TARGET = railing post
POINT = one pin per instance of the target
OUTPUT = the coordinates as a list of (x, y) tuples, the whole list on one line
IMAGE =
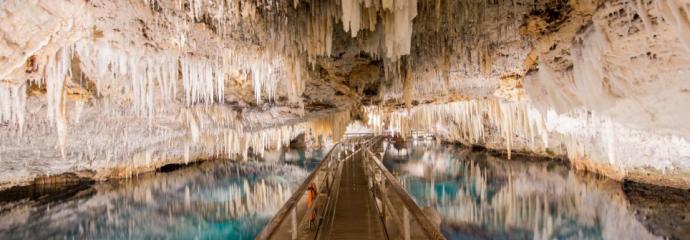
[(384, 196), (294, 223), (406, 223)]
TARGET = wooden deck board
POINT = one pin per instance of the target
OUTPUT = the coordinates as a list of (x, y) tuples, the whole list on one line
[(355, 215)]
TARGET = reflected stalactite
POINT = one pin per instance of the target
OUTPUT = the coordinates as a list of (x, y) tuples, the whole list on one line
[(242, 200), (209, 200), (515, 198)]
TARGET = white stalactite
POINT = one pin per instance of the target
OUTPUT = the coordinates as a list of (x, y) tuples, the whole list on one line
[(13, 105), (56, 74), (588, 138)]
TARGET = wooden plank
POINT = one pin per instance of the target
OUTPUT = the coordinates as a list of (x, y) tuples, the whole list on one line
[(297, 199), (356, 216)]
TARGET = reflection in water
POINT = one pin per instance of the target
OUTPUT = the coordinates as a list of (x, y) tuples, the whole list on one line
[(476, 194), (213, 199), (479, 195)]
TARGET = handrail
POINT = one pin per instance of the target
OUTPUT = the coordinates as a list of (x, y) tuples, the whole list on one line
[(291, 203), (294, 199), (428, 228), (330, 200)]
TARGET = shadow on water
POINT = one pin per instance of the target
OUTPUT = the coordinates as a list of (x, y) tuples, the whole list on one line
[(664, 211), (482, 195), (207, 200), (44, 193)]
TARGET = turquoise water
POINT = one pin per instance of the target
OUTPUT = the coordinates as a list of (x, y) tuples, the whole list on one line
[(211, 200), (479, 195)]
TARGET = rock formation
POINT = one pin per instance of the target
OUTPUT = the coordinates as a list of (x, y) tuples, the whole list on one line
[(111, 88)]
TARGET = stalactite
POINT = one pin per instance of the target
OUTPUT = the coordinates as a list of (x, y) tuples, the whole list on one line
[(588, 138), (56, 73), (202, 82), (152, 76), (296, 80), (333, 125), (407, 86), (13, 105), (234, 139), (352, 16), (139, 75), (398, 29)]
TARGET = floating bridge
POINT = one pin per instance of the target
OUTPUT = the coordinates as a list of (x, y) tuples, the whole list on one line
[(357, 198)]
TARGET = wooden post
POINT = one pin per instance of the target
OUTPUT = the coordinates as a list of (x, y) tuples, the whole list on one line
[(294, 223), (406, 223)]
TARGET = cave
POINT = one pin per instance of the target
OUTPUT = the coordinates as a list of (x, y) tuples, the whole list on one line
[(257, 119)]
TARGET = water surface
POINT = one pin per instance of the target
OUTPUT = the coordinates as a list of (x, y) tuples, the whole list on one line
[(480, 195), (210, 200)]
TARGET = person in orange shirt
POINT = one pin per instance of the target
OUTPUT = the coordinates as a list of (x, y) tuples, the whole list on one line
[(311, 196)]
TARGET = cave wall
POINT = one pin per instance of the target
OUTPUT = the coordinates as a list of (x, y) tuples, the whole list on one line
[(99, 86), (599, 83), (114, 88)]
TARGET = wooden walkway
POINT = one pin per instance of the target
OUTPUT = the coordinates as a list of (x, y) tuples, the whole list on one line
[(357, 199), (355, 215)]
